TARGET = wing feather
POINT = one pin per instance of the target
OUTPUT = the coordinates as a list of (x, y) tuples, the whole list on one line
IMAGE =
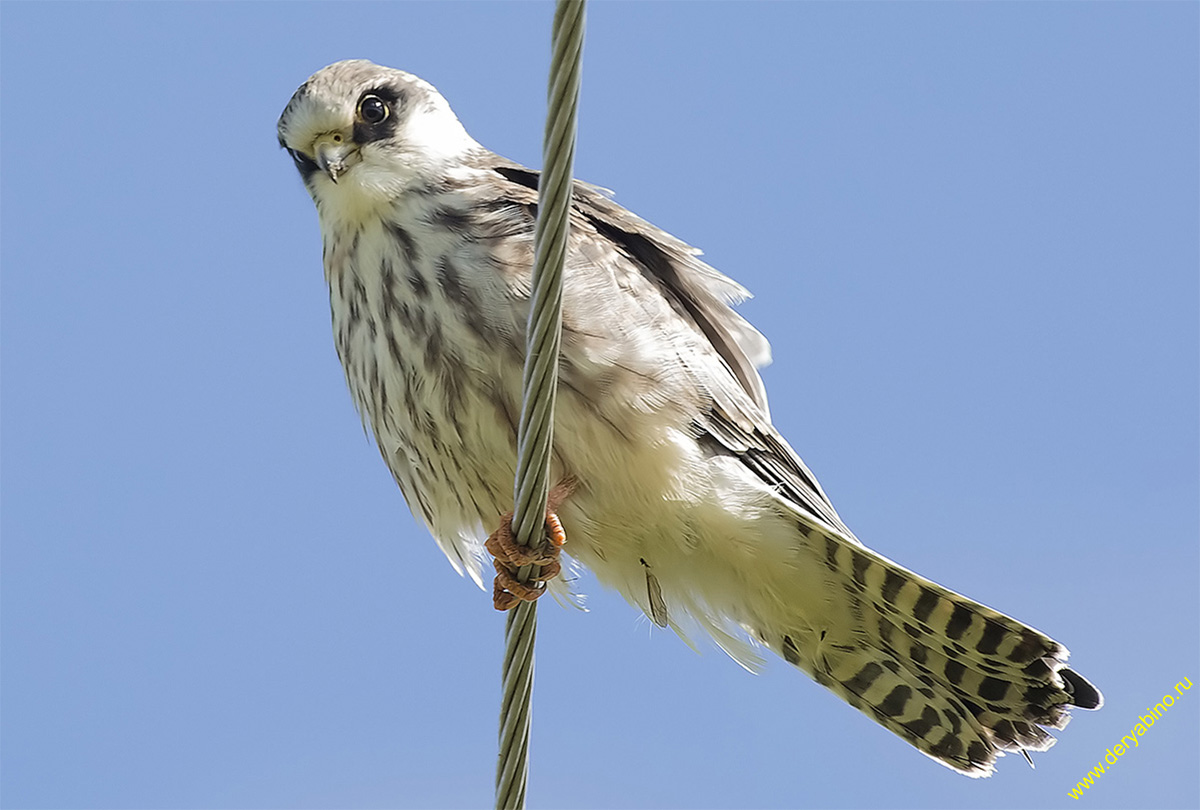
[(736, 421)]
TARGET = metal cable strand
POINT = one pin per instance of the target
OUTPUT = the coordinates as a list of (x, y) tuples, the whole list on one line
[(539, 383)]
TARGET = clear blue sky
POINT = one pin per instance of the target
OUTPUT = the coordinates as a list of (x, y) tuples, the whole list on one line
[(972, 229)]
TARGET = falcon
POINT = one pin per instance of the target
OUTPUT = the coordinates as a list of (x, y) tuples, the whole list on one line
[(673, 486)]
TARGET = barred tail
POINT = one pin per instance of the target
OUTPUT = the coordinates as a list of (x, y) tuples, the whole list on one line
[(958, 680)]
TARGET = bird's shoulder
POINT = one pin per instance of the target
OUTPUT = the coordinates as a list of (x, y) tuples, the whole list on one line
[(700, 293), (736, 421)]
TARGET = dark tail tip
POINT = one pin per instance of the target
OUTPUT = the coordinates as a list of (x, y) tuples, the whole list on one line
[(1082, 693)]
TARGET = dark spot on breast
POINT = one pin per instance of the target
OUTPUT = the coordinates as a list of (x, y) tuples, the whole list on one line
[(394, 349), (417, 283), (450, 218), (407, 246), (387, 289), (450, 280), (433, 350)]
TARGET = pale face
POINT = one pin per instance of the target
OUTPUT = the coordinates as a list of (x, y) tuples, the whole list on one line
[(361, 135)]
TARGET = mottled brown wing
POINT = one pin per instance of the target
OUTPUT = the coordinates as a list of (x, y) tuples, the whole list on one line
[(737, 422)]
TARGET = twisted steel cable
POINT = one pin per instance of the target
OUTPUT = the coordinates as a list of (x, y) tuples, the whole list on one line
[(539, 385)]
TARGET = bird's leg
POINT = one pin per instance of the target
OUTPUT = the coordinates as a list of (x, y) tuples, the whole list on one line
[(509, 555)]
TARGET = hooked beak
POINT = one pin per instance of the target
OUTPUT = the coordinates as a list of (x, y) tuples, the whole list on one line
[(333, 155)]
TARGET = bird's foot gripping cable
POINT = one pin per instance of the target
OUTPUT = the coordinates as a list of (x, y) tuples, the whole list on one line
[(510, 556)]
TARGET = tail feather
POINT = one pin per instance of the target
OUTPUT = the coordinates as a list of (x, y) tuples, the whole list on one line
[(958, 680), (908, 705)]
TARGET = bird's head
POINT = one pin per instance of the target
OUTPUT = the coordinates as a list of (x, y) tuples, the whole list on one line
[(366, 134)]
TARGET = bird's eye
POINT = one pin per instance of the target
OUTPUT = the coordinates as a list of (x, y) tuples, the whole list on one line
[(373, 110)]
